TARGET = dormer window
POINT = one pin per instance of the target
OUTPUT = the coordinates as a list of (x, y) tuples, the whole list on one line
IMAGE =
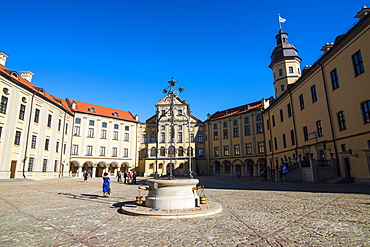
[(91, 109), (115, 114), (15, 74)]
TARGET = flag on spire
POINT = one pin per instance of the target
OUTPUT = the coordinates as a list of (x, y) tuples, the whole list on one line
[(282, 20)]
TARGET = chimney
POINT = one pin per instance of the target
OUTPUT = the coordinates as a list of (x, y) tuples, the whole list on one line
[(27, 75), (73, 105), (137, 117), (3, 57)]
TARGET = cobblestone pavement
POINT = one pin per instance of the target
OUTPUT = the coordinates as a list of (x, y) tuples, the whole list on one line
[(69, 212)]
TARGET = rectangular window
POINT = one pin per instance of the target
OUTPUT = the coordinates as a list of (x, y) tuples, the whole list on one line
[(33, 141), (226, 134), (305, 133), (246, 120), (152, 138), (91, 122), (292, 137), (237, 149), (78, 120), (47, 144), (313, 93), (365, 107), (59, 124), (144, 138), (179, 112), (215, 135), (17, 140), (281, 115), (77, 131), (225, 124), (235, 122), (179, 127), (259, 127), (4, 104), (66, 132), (102, 151), (248, 148), (289, 109), (22, 111), (341, 120), (115, 135), (216, 151), (192, 138), (247, 130), (56, 166), (125, 152), (1, 131), (280, 72), (50, 117), (30, 164), (64, 148), (284, 141), (44, 165), (200, 152), (270, 146), (259, 117), (226, 150), (282, 88), (319, 128), (103, 134), (275, 142), (268, 124), (103, 125), (116, 126), (163, 137), (90, 132), (57, 147), (89, 150), (126, 137), (200, 138), (334, 79), (290, 70), (261, 147), (127, 127), (358, 64), (75, 149), (215, 126), (37, 116), (179, 137), (301, 101), (114, 152), (236, 132), (273, 120)]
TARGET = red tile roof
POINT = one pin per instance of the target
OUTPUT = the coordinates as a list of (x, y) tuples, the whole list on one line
[(101, 111), (33, 88), (237, 110)]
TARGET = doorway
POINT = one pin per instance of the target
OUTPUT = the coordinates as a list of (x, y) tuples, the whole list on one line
[(347, 167), (13, 168)]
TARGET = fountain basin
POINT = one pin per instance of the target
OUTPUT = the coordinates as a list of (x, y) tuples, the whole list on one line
[(172, 194)]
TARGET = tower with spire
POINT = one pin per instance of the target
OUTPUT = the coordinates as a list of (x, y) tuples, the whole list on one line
[(285, 63)]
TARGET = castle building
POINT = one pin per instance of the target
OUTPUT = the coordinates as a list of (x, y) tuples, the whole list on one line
[(318, 124)]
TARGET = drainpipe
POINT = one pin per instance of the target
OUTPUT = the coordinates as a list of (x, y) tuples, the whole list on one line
[(330, 116), (28, 133)]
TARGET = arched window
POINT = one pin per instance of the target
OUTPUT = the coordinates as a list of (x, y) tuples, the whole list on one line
[(91, 109), (171, 151), (162, 151), (181, 151), (153, 151), (190, 151)]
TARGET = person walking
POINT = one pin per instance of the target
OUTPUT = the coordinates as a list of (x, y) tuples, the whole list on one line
[(125, 177), (134, 177), (119, 177), (85, 175), (106, 185), (129, 177)]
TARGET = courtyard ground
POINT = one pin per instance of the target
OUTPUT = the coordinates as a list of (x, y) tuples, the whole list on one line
[(69, 212)]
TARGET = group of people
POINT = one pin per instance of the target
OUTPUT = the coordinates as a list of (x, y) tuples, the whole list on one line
[(283, 170), (128, 177)]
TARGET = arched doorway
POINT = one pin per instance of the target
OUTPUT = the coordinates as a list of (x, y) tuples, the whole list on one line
[(249, 166), (73, 168), (262, 164), (100, 169), (216, 168), (88, 166), (227, 167), (238, 166)]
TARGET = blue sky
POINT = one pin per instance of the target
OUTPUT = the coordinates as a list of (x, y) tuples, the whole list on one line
[(121, 53)]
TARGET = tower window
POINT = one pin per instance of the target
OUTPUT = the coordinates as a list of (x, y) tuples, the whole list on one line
[(282, 88), (290, 69), (280, 72)]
